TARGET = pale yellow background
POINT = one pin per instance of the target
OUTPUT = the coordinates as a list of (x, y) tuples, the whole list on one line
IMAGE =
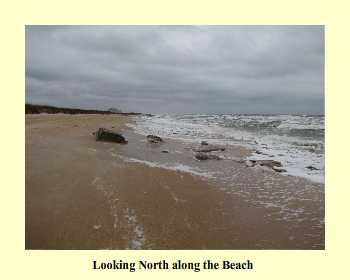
[(21, 264)]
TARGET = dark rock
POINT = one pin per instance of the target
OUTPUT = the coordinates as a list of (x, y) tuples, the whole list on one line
[(280, 170), (310, 167), (258, 152), (268, 163), (204, 156), (165, 151), (201, 156), (154, 139), (109, 136), (204, 143), (209, 149)]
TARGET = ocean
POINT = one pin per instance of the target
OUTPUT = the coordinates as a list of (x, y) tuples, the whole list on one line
[(297, 141)]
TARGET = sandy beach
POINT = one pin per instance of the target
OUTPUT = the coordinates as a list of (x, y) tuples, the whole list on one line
[(82, 194)]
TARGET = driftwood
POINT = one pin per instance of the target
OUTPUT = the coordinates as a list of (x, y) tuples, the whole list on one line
[(209, 149), (273, 164), (205, 156)]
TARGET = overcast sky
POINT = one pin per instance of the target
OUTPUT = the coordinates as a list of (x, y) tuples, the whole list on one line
[(177, 69)]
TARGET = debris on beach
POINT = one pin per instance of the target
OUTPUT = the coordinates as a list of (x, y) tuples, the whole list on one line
[(209, 149), (154, 139), (204, 143), (165, 151), (205, 156), (310, 167), (278, 169), (273, 164), (96, 227), (109, 136)]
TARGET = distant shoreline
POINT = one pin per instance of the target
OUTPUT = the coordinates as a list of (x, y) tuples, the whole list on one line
[(47, 109)]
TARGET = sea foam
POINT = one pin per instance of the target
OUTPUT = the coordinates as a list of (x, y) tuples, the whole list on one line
[(296, 141)]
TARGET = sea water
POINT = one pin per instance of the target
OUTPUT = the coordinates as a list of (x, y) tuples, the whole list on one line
[(297, 141)]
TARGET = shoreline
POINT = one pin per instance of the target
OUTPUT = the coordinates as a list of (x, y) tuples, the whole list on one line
[(80, 194), (300, 156)]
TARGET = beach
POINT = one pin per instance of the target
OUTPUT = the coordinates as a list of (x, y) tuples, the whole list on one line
[(85, 194)]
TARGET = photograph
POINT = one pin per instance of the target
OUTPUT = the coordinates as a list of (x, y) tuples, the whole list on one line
[(174, 137)]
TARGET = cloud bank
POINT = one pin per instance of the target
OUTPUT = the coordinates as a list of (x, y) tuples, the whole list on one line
[(177, 69)]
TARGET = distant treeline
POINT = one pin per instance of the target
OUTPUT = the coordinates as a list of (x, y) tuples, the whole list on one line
[(38, 109)]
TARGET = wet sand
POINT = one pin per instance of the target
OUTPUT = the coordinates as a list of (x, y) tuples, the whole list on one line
[(81, 195)]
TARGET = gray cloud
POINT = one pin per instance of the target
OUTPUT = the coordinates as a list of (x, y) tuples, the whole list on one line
[(159, 69)]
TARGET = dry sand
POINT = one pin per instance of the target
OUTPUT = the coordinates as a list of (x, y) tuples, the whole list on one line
[(81, 195)]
